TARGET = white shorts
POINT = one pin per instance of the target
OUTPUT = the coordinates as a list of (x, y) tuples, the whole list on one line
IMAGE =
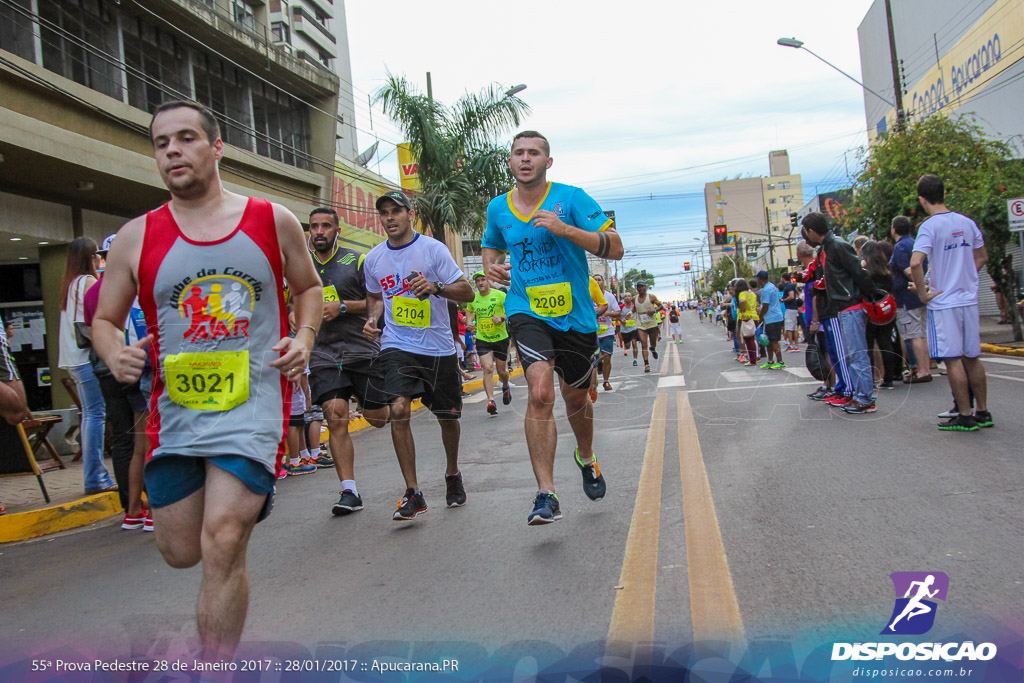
[(791, 323), (675, 328), (954, 332)]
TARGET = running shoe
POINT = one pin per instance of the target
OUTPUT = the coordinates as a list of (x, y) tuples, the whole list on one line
[(634, 362), (545, 509), (886, 385), (412, 504), (793, 349), (741, 359), (454, 491), (960, 423), (148, 524), (134, 521), (654, 352), (304, 467), (647, 367), (348, 503), (282, 473), (777, 366), (323, 460), (593, 480), (607, 386), (952, 412), (820, 395), (838, 401), (625, 353), (765, 366), (506, 394), (983, 418), (858, 408), (492, 409)]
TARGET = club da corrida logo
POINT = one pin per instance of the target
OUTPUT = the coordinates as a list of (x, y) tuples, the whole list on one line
[(913, 614)]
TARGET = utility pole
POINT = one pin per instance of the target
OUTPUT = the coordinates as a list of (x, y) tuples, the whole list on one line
[(896, 84), (430, 90)]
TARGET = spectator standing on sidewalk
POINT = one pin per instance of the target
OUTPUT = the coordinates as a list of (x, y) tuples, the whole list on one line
[(847, 285), (877, 266), (955, 248), (910, 312), (773, 317)]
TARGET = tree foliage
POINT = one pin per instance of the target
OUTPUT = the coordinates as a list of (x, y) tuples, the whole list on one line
[(631, 277), (722, 272), (979, 174), (461, 164)]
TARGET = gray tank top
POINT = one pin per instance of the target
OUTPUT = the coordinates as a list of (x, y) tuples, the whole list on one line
[(215, 309)]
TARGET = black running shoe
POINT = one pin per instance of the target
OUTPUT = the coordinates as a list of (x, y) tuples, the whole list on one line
[(983, 418), (654, 352), (820, 395), (545, 509), (323, 460), (455, 492), (412, 504), (506, 395), (960, 423), (347, 504), (492, 409), (593, 480), (647, 367)]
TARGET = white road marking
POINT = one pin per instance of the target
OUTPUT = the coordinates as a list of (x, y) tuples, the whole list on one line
[(1012, 379), (748, 388), (672, 381), (1004, 361)]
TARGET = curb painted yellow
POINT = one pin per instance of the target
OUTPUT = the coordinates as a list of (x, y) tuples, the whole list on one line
[(20, 526), (1002, 350)]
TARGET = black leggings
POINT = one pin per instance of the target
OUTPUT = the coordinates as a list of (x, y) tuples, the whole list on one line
[(883, 334)]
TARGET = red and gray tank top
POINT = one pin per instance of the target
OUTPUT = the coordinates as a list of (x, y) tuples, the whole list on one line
[(215, 309)]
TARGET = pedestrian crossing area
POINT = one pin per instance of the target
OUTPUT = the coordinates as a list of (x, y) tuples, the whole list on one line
[(758, 374)]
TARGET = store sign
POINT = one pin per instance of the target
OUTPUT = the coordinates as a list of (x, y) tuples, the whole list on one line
[(43, 377), (408, 168)]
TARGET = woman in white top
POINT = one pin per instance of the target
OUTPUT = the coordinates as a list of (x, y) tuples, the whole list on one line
[(79, 275)]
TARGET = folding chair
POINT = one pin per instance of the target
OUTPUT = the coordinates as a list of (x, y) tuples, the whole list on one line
[(16, 452)]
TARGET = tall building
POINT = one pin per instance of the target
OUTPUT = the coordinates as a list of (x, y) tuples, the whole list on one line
[(79, 78), (756, 213), (315, 31)]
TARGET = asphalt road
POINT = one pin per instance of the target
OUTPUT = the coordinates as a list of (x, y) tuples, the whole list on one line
[(762, 515)]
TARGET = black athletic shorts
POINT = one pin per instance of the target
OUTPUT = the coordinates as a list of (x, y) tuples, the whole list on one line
[(630, 336), (573, 352), (433, 379), (498, 348), (362, 377), (773, 331)]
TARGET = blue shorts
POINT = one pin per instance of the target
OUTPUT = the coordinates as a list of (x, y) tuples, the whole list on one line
[(606, 344), (171, 478)]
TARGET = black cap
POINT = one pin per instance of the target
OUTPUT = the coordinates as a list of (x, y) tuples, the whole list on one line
[(395, 196)]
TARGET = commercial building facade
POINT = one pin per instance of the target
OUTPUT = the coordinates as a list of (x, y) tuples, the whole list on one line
[(79, 78)]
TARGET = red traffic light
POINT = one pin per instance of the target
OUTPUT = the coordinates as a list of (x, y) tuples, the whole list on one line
[(686, 265), (721, 236)]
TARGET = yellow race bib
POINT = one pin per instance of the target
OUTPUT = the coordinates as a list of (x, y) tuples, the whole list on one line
[(410, 312), (331, 293), (550, 301), (212, 380), (602, 329), (629, 324), (485, 326)]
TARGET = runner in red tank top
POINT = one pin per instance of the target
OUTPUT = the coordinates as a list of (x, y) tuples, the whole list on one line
[(209, 281)]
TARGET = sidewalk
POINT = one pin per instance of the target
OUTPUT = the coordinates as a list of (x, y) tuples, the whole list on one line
[(996, 338), (29, 515)]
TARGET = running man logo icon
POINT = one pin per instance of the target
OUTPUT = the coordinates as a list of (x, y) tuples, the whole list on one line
[(914, 611)]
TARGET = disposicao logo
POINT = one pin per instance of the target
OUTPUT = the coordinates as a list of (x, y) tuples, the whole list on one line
[(916, 592), (914, 614)]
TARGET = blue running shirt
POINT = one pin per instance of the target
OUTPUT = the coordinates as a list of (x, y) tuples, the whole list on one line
[(550, 276)]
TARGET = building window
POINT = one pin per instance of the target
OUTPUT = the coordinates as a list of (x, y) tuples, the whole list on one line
[(720, 205), (771, 186), (282, 126), (17, 28), (784, 185), (70, 25), (224, 89), (244, 14), (282, 34), (771, 200), (157, 65)]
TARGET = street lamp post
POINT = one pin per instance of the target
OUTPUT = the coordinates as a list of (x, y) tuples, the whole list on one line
[(898, 104)]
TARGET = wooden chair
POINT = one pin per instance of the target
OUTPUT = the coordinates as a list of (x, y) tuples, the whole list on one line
[(37, 430), (17, 454)]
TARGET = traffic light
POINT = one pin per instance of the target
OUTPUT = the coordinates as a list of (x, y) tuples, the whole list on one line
[(794, 220), (686, 266), (721, 235)]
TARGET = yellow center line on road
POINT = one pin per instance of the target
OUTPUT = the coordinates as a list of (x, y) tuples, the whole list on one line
[(667, 362), (714, 609), (632, 622)]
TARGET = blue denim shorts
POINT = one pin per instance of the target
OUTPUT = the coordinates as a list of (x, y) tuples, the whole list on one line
[(170, 478)]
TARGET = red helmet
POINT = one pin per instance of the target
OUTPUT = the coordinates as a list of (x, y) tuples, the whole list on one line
[(882, 311)]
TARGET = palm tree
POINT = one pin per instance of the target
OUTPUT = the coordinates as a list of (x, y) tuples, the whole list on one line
[(461, 164)]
